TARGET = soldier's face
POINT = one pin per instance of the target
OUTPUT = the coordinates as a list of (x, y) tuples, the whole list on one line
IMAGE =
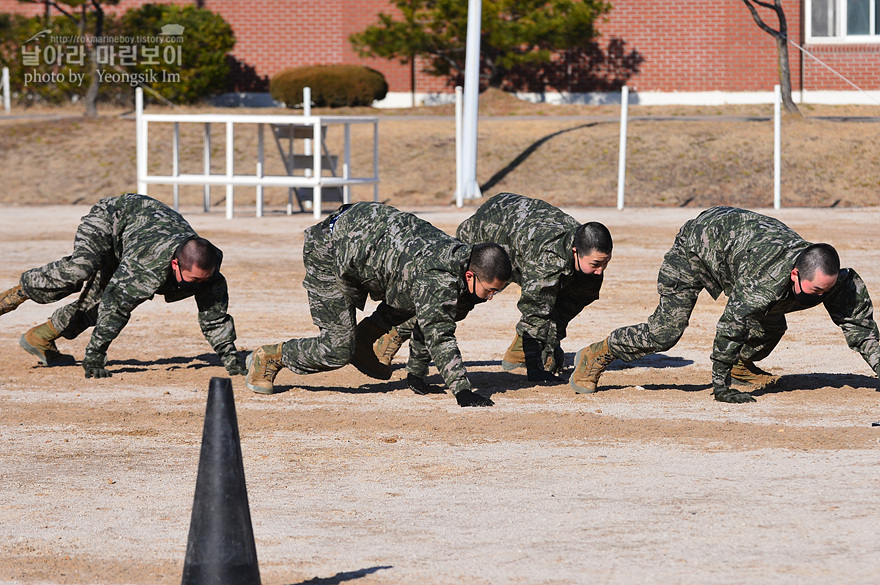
[(485, 291), (820, 283), (195, 275), (593, 263)]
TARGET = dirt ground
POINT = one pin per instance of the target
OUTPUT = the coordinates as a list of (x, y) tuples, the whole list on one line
[(356, 481)]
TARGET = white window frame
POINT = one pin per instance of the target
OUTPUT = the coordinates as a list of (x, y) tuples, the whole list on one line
[(840, 37)]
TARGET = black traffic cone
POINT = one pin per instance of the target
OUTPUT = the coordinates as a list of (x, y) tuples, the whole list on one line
[(221, 545)]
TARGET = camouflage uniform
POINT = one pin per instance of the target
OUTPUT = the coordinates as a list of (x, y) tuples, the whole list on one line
[(122, 257), (539, 239), (413, 268), (748, 257)]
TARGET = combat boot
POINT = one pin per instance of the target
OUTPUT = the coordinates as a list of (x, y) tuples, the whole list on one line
[(364, 358), (387, 346), (746, 371), (262, 367), (40, 341), (11, 299), (589, 363), (515, 356)]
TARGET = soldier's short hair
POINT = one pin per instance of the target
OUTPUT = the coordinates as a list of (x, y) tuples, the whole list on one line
[(592, 236), (821, 257), (490, 262), (197, 252)]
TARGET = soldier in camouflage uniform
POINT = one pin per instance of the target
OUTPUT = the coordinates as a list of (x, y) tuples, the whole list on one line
[(408, 265), (559, 266), (766, 270), (127, 249)]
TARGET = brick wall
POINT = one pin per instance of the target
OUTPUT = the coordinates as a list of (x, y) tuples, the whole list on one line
[(715, 46), (720, 47)]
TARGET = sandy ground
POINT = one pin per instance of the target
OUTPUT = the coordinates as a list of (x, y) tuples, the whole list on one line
[(352, 480)]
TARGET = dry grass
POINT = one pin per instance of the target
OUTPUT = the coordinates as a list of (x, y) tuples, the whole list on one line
[(564, 154)]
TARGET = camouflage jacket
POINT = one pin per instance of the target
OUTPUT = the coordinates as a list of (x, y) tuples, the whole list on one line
[(146, 234), (413, 267), (749, 257), (538, 238)]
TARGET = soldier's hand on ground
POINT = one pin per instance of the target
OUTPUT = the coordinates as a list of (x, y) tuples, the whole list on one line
[(468, 398), (733, 396), (418, 385), (553, 359), (94, 365), (543, 377), (96, 371), (234, 364)]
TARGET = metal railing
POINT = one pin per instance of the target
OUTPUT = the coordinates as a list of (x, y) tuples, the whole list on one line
[(312, 178)]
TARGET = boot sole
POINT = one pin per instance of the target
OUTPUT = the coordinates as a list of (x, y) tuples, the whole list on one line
[(62, 360), (755, 385), (258, 389), (510, 366)]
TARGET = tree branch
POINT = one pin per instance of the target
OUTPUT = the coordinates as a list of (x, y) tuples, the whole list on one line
[(757, 17)]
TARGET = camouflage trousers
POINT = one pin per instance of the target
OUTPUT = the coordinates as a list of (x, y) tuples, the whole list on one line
[(87, 271), (332, 310), (679, 286), (573, 298), (571, 301)]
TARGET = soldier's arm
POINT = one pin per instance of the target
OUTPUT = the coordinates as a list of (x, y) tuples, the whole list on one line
[(850, 307), (731, 333), (436, 302), (129, 287), (216, 323), (540, 289)]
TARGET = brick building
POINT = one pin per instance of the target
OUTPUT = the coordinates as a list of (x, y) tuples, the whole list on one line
[(658, 48)]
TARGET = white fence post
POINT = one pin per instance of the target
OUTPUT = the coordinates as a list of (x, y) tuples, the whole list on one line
[(140, 140), (206, 160), (621, 166), (230, 170), (5, 83), (777, 147), (260, 172)]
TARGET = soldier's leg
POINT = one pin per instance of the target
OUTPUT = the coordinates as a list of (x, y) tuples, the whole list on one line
[(92, 245), (331, 310), (764, 336), (74, 318), (387, 346), (679, 288), (335, 344)]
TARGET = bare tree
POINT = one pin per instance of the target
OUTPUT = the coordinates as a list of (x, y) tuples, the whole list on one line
[(69, 9), (781, 37)]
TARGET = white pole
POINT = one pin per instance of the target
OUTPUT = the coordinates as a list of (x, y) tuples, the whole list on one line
[(260, 157), (307, 101), (140, 140), (376, 160), (318, 171), (621, 167), (230, 170), (346, 166), (175, 165), (206, 156), (777, 147), (5, 83), (471, 98), (459, 188)]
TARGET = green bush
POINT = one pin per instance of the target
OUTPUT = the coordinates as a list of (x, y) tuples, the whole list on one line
[(33, 80), (207, 38), (200, 71), (331, 85)]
